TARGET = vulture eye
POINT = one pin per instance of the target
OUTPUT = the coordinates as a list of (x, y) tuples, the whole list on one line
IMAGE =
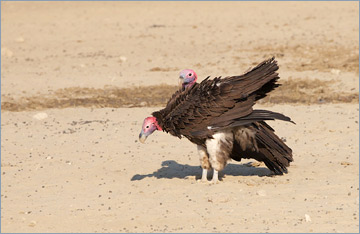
[(190, 74), (147, 126)]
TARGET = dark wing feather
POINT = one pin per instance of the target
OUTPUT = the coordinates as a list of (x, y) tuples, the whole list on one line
[(254, 116), (227, 99), (261, 79)]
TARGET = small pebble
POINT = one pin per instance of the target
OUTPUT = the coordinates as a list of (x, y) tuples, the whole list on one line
[(335, 71), (261, 193), (40, 116), (122, 59), (307, 218), (20, 39), (6, 52), (32, 223)]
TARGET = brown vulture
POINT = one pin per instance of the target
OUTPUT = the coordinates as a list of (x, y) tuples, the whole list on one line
[(218, 116)]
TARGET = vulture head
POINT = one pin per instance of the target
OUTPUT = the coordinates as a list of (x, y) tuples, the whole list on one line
[(149, 126), (187, 78)]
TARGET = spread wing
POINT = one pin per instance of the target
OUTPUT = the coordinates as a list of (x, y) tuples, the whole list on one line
[(219, 103)]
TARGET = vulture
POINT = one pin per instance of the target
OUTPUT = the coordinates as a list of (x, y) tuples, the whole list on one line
[(218, 116)]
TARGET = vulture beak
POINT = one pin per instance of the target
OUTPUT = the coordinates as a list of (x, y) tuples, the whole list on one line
[(142, 137), (181, 81)]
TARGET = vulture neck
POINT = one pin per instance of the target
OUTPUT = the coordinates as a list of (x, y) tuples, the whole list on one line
[(159, 120), (158, 126)]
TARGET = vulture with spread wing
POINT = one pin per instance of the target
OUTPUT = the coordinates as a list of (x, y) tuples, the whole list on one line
[(218, 116)]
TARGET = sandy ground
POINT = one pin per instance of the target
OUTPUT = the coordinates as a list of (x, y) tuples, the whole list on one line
[(83, 170)]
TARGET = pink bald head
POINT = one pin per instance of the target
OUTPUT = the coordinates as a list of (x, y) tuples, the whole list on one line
[(149, 126), (187, 78)]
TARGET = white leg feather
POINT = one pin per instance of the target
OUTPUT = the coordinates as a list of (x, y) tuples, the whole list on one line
[(204, 161), (219, 149)]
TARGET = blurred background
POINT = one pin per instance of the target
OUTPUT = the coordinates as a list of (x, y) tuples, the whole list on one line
[(60, 54)]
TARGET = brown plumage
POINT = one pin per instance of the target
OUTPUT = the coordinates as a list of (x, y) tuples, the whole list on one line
[(218, 116)]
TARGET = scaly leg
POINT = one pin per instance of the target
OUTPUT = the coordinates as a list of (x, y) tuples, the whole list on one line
[(215, 178), (204, 175)]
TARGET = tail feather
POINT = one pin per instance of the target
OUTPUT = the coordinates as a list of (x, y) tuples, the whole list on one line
[(267, 148)]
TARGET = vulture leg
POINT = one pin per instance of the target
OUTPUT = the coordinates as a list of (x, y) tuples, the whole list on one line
[(219, 149), (204, 162), (204, 175), (215, 178)]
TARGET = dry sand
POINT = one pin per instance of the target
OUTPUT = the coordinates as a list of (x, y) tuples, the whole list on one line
[(82, 169)]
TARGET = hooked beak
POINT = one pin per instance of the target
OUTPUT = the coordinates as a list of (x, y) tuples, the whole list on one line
[(181, 81), (142, 137)]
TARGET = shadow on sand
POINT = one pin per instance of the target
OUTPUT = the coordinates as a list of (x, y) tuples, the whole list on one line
[(171, 169)]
